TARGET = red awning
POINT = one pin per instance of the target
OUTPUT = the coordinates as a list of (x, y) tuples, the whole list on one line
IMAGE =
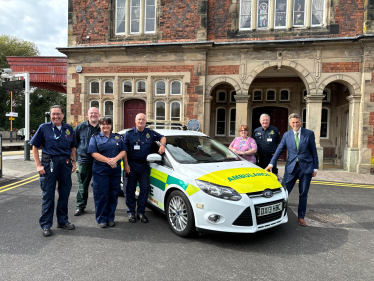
[(45, 72)]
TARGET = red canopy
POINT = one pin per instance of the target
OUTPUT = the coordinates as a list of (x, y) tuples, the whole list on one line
[(45, 72)]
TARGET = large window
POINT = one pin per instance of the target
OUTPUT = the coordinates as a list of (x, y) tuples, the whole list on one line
[(299, 13), (221, 122), (129, 13), (318, 7), (245, 14), (160, 87), (94, 88), (176, 88), (175, 111), (160, 110), (108, 87), (108, 109), (232, 121), (263, 13), (280, 17)]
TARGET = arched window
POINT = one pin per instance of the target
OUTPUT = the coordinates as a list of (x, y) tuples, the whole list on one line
[(176, 88), (284, 95), (257, 95), (221, 122), (94, 88), (270, 95), (160, 110), (175, 111), (108, 87), (221, 96), (232, 96), (140, 86), (232, 121), (263, 14), (127, 87), (160, 88), (108, 109), (94, 103)]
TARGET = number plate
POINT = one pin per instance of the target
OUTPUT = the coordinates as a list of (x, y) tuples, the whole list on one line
[(267, 210)]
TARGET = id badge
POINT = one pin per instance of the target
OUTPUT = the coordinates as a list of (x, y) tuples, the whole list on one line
[(270, 139), (136, 147)]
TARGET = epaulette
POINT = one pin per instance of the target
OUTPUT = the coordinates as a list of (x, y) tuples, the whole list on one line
[(95, 134)]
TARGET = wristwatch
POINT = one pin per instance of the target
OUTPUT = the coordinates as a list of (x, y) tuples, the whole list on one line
[(164, 144), (73, 160)]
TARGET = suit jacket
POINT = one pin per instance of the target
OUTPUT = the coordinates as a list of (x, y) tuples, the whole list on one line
[(306, 155)]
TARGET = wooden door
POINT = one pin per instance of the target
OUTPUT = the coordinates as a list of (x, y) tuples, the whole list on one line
[(131, 108)]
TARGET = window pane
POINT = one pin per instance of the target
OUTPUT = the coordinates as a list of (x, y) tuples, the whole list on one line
[(121, 16), (160, 88), (304, 118), (108, 87), (280, 13), (150, 2), (94, 87), (284, 95), (150, 12), (109, 109), (160, 111), (299, 12), (232, 121), (127, 87), (94, 103), (176, 88), (324, 130), (245, 13), (318, 6), (257, 95), (175, 111), (270, 95), (221, 118), (221, 96), (135, 16), (141, 87), (263, 10), (149, 25), (324, 116)]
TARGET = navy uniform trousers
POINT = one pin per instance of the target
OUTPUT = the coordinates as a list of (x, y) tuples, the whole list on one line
[(62, 174), (106, 184), (138, 172)]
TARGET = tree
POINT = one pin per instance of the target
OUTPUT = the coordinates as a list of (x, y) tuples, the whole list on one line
[(12, 46)]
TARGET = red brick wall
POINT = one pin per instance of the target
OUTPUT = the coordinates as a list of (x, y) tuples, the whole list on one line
[(340, 67), (224, 69), (76, 108), (219, 19), (350, 15)]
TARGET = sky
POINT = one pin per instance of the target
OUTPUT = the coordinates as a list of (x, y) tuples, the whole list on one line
[(44, 22)]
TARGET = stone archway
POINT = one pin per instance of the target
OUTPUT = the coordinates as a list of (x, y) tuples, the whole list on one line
[(349, 82), (220, 80)]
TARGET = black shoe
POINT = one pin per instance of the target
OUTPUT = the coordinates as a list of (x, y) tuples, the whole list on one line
[(111, 223), (78, 212), (47, 232), (142, 218), (68, 226), (103, 225), (132, 218)]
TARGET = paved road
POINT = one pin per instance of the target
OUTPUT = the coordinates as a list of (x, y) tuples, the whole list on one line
[(338, 244)]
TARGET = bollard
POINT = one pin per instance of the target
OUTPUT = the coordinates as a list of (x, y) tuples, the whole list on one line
[(1, 155), (11, 136)]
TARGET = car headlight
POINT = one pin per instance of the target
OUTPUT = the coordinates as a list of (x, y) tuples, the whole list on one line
[(222, 192)]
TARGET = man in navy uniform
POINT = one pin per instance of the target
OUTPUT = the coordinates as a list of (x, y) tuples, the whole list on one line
[(267, 139), (83, 133), (57, 164), (138, 141)]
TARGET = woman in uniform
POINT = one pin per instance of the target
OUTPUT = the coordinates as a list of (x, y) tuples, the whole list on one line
[(107, 149), (244, 145)]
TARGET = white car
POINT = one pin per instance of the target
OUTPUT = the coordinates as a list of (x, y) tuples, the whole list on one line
[(200, 185)]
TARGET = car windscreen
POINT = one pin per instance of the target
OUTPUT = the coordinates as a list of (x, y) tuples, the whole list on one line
[(198, 149)]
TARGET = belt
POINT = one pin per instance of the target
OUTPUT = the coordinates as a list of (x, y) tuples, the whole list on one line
[(267, 155), (48, 157), (138, 161)]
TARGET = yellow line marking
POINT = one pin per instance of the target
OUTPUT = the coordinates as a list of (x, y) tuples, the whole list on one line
[(17, 182), (18, 185), (343, 184)]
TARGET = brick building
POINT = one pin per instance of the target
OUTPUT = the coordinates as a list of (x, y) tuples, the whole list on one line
[(225, 62)]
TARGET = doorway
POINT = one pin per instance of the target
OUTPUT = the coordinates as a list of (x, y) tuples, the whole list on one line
[(131, 108)]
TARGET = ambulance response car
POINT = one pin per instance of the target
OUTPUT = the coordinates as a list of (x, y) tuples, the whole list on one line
[(201, 185)]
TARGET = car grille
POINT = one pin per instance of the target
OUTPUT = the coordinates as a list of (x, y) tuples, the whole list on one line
[(245, 219), (260, 193), (270, 217)]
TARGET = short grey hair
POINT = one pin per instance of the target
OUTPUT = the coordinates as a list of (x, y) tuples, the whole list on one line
[(56, 106), (264, 115), (294, 115), (145, 116)]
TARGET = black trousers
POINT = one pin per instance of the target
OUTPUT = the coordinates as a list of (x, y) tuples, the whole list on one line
[(263, 161)]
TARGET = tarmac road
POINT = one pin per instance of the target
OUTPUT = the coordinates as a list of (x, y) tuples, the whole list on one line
[(338, 243)]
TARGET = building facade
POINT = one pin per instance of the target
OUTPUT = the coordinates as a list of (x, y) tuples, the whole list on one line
[(225, 62)]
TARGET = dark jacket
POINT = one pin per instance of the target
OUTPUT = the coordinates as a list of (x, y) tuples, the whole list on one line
[(83, 133)]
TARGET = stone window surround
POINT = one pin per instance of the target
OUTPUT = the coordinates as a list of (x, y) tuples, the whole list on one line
[(253, 96), (128, 19), (289, 94), (289, 15), (217, 96), (275, 94)]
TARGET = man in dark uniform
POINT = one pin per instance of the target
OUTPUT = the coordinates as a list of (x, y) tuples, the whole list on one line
[(267, 139), (138, 141), (57, 164), (83, 133)]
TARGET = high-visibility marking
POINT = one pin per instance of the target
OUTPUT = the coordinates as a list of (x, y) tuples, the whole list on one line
[(343, 184), (18, 183)]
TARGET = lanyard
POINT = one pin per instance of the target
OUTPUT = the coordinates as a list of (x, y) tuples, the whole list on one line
[(137, 135), (54, 135), (241, 143)]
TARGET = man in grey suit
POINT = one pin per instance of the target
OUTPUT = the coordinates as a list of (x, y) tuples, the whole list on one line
[(302, 161)]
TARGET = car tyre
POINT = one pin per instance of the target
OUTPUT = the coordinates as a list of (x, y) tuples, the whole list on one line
[(180, 215)]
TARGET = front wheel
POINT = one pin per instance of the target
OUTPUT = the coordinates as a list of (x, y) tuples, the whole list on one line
[(180, 215)]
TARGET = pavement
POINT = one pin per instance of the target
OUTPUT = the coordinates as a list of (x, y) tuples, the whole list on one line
[(15, 167)]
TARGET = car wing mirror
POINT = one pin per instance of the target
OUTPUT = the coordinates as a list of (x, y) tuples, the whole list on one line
[(154, 157)]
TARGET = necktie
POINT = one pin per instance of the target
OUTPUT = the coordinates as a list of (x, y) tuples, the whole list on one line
[(297, 140)]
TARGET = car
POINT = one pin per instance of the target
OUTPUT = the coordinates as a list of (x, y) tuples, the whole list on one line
[(202, 186)]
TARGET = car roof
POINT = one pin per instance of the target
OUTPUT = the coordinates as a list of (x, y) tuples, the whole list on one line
[(169, 133)]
